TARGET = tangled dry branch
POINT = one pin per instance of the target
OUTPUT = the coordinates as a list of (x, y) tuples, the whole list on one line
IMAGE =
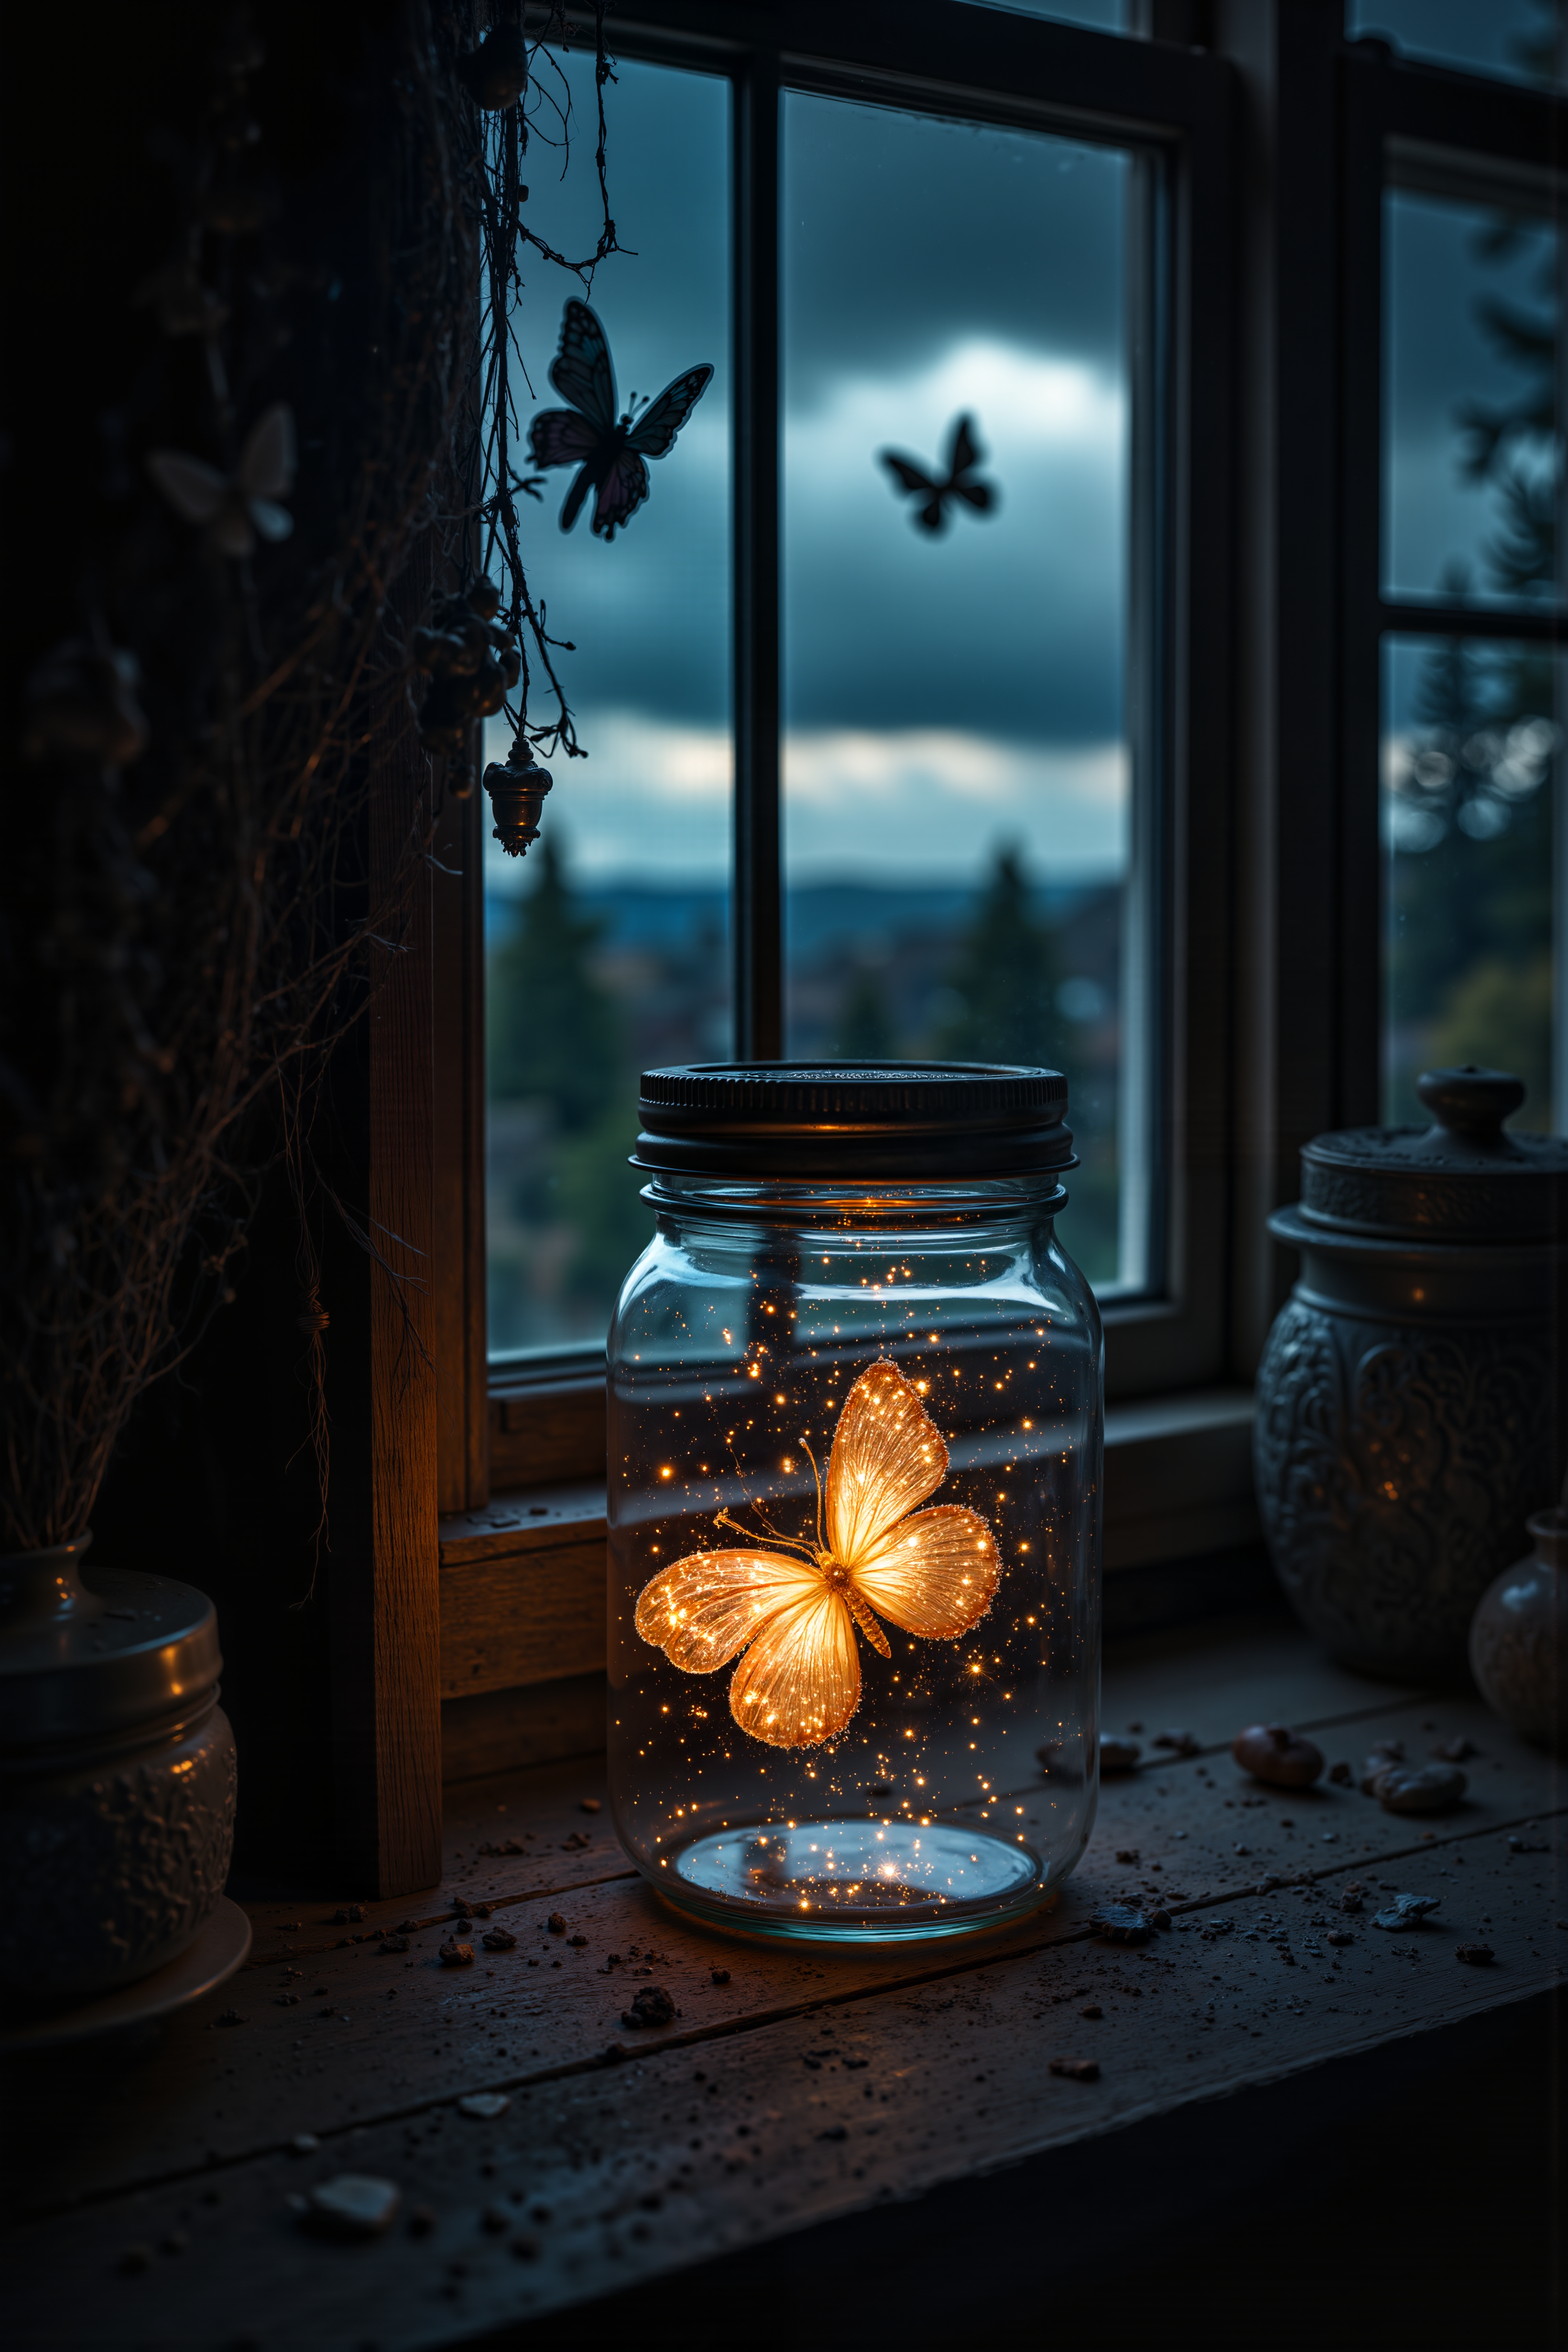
[(311, 436)]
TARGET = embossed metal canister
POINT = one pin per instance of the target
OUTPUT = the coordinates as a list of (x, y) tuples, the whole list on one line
[(117, 1774), (1412, 1401)]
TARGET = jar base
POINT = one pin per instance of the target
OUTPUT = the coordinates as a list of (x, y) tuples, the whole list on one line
[(854, 1882)]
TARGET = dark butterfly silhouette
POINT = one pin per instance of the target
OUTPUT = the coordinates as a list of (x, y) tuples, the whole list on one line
[(610, 450), (963, 454)]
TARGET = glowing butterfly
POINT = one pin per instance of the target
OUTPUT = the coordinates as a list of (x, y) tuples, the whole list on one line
[(934, 1574), (610, 453), (235, 508), (933, 499)]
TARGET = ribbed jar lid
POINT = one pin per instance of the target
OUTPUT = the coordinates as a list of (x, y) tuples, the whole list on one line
[(899, 1123), (80, 1663), (1463, 1178)]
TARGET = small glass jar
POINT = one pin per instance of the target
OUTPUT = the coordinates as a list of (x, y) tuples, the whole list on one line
[(855, 1435)]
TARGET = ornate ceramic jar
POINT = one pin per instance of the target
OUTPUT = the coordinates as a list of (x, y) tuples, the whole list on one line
[(117, 1774), (1411, 1401), (855, 1430), (1519, 1640)]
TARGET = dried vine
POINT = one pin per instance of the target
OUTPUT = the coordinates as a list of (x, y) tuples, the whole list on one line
[(190, 909)]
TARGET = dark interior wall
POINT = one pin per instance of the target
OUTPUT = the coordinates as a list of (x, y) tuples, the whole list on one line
[(214, 1480)]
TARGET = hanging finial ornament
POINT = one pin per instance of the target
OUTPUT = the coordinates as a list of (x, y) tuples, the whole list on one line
[(495, 74), (517, 789)]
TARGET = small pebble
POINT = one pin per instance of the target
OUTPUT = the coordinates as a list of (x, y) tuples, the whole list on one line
[(1093, 2010), (1341, 1776), (1405, 1788), (1273, 1753), (577, 1941), (556, 1924), (304, 2144), (1405, 1911), (456, 1955), (590, 1805), (1183, 1742), (1159, 1919), (1455, 1752), (720, 1976), (229, 2017), (484, 2104), (1479, 1956), (1127, 1854), (354, 2205), (1077, 2070), (526, 2247), (651, 2006), (499, 1939), (834, 2131), (1121, 1922), (394, 1943), (1119, 1754), (1339, 1935)]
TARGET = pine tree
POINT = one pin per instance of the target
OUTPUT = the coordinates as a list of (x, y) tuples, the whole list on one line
[(1006, 978), (555, 1035)]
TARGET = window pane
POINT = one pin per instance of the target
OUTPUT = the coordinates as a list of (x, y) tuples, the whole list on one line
[(1474, 829), (958, 805), (607, 944), (1473, 453), (1520, 39)]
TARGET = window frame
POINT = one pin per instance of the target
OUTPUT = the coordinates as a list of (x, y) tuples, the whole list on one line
[(1176, 106), (1430, 128)]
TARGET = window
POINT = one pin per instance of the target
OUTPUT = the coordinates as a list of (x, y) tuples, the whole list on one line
[(902, 790), (1469, 600)]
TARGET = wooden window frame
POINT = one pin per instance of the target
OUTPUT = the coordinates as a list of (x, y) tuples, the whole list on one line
[(1268, 928)]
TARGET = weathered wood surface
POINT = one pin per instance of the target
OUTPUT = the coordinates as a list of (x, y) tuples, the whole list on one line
[(956, 2043), (535, 1617)]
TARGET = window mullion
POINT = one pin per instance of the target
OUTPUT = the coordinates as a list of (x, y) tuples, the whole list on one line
[(755, 914)]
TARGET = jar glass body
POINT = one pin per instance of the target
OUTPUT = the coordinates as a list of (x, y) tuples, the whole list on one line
[(734, 1354)]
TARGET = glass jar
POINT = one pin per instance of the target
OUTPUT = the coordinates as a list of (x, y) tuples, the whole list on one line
[(855, 1435)]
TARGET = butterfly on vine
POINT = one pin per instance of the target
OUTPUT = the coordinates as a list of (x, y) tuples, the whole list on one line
[(610, 450), (933, 1574), (964, 453)]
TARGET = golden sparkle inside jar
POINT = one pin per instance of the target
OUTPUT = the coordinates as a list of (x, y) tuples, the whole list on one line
[(855, 1458)]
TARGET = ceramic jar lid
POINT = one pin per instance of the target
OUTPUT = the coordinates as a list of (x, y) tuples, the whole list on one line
[(1463, 1178), (76, 1664)]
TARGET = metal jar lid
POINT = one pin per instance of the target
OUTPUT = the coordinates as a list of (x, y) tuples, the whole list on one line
[(899, 1123), (81, 1664), (1461, 1180)]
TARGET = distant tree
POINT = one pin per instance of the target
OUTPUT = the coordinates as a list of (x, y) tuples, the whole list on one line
[(1005, 977), (555, 1034), (866, 1032)]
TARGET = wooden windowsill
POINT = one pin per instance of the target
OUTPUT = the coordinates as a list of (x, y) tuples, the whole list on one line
[(522, 1581), (952, 2046)]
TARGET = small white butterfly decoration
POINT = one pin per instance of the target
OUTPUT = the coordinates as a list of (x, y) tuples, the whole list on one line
[(233, 511)]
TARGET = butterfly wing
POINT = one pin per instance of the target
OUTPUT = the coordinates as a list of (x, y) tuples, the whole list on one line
[(799, 1683), (888, 1457), (978, 494), (558, 436), (622, 489), (194, 489), (581, 370), (659, 423), (911, 476), (935, 1574), (966, 450), (266, 465), (699, 1611)]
